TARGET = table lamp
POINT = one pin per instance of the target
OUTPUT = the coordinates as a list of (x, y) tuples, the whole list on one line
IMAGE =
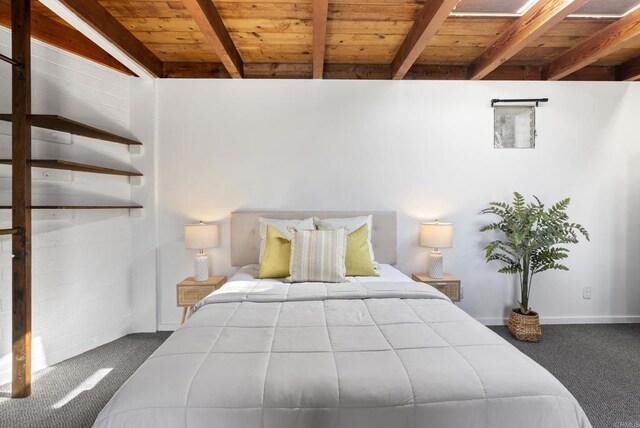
[(436, 235), (199, 237)]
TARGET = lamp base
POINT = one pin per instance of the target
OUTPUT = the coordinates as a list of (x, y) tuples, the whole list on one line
[(435, 265), (201, 267)]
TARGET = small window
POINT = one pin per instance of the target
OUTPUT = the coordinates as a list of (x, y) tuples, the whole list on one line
[(514, 127)]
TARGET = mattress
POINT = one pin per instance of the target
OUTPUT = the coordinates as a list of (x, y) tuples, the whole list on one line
[(385, 273), (365, 353)]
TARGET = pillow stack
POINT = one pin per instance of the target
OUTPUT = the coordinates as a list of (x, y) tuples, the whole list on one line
[(339, 247)]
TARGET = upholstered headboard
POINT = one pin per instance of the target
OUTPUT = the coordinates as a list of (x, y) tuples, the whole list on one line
[(245, 232)]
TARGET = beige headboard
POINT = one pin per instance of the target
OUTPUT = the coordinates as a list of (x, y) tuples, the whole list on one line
[(245, 232)]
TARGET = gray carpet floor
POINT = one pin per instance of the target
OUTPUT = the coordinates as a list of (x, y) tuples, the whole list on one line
[(599, 364), (62, 395)]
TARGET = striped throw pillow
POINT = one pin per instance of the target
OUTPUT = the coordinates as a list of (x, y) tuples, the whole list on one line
[(318, 255)]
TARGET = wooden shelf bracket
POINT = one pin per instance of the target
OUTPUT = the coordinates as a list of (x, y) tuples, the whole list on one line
[(9, 60), (13, 231)]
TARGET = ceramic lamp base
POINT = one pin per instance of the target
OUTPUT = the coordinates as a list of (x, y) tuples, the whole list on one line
[(201, 267), (434, 264)]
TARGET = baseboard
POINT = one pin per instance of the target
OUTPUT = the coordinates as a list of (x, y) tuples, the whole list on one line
[(604, 319)]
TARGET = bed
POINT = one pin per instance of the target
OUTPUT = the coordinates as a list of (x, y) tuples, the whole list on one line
[(371, 352)]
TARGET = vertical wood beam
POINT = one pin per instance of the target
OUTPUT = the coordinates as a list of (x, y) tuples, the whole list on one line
[(430, 19), (604, 42), (540, 18), (320, 13), (21, 198), (206, 15)]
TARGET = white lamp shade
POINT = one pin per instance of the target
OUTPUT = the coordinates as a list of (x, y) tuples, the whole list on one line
[(200, 236), (436, 235)]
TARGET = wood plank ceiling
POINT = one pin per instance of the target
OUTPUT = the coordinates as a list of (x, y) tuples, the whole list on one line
[(370, 39)]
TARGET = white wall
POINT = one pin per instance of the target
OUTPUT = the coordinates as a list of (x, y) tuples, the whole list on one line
[(144, 224), (82, 289), (422, 148)]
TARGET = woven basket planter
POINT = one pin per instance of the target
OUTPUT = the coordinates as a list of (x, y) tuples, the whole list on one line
[(525, 327)]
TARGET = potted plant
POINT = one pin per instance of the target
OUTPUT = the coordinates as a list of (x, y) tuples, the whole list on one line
[(532, 243)]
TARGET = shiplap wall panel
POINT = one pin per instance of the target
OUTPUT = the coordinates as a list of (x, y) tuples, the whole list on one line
[(81, 259)]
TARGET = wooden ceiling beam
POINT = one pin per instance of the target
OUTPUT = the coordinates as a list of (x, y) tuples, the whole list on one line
[(101, 21), (66, 38), (430, 19), (206, 15), (320, 13), (604, 42), (594, 73), (630, 70), (540, 18), (196, 70)]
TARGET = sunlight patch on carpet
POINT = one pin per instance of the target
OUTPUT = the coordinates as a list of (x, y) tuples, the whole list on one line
[(86, 385)]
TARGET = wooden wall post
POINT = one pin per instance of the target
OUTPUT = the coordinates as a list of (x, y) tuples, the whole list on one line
[(21, 197)]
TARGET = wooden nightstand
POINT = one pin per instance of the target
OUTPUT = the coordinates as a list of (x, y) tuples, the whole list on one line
[(449, 285), (191, 292)]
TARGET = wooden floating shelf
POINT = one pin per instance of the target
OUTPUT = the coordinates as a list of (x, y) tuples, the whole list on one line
[(77, 207), (62, 124), (74, 166)]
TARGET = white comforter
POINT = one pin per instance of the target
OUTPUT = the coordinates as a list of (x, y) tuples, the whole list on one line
[(274, 355)]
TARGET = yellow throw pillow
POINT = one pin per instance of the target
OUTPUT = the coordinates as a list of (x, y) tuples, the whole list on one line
[(358, 258), (277, 253)]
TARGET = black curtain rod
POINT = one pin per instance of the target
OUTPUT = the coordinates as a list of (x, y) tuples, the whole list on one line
[(519, 100)]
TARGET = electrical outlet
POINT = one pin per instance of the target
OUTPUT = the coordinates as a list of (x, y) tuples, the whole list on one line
[(586, 293)]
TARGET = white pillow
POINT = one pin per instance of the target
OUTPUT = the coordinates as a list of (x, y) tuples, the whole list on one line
[(351, 224), (283, 227)]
